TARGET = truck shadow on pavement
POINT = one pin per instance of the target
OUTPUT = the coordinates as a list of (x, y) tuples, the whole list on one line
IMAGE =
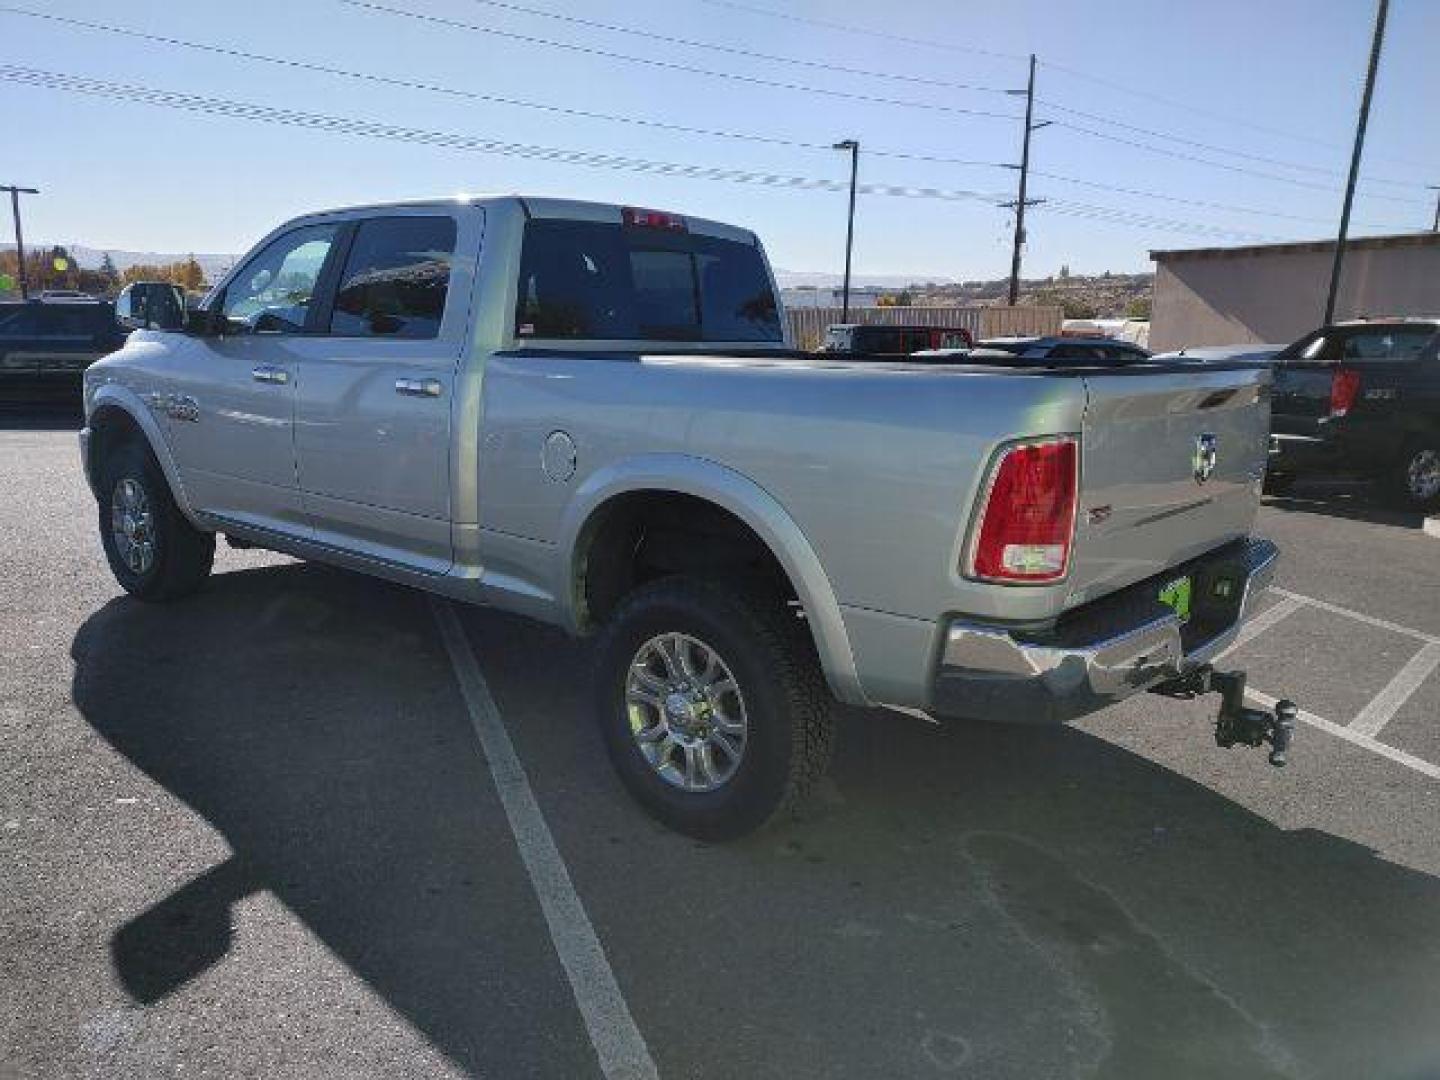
[(958, 900), (1354, 500)]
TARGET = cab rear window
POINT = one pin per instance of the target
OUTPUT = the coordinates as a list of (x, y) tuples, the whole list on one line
[(590, 280)]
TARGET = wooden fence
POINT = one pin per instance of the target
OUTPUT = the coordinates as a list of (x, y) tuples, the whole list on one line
[(808, 325)]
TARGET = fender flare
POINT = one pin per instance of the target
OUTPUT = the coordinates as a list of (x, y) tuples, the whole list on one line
[(732, 491), (112, 396)]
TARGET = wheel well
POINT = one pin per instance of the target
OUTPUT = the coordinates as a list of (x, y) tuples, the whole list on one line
[(643, 535), (110, 427)]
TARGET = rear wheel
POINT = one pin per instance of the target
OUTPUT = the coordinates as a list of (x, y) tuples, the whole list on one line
[(153, 551), (1414, 479), (712, 705)]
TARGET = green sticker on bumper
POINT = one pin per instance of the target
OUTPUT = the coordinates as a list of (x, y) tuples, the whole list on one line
[(1176, 596)]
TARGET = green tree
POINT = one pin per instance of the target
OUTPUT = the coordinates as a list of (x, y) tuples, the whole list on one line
[(108, 272), (1138, 308)]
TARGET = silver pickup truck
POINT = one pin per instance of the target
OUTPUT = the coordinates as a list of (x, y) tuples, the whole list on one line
[(589, 414)]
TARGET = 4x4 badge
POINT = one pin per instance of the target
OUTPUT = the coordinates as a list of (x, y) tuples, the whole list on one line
[(1207, 453)]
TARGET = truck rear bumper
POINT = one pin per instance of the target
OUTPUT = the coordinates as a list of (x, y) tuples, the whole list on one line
[(1104, 652)]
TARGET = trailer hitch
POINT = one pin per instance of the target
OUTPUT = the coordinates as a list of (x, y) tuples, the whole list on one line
[(1236, 722)]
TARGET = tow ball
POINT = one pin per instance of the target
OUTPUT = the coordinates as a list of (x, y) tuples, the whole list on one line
[(1237, 723)]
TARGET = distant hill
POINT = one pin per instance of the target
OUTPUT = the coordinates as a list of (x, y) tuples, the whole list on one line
[(90, 258)]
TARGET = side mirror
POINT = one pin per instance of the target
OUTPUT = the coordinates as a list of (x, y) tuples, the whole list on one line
[(151, 305)]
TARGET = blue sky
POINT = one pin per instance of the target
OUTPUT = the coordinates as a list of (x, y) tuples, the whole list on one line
[(1274, 79)]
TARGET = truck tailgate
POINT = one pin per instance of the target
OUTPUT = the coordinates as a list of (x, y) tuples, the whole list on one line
[(1171, 466)]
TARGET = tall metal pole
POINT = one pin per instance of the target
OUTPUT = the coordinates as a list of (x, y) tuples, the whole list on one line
[(1381, 12), (1024, 178), (854, 148), (15, 193)]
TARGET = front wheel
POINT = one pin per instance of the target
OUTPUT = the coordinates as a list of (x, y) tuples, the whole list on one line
[(1414, 479), (712, 706), (153, 551)]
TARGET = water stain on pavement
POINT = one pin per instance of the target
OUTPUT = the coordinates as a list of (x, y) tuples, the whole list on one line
[(1155, 1016)]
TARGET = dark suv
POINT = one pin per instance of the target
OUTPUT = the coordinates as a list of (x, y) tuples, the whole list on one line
[(1361, 398), (882, 340), (47, 343), (1100, 351)]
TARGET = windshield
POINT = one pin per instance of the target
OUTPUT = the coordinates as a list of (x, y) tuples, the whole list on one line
[(614, 283)]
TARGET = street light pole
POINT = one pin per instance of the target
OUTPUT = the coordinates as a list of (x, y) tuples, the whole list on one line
[(854, 148), (15, 193), (1380, 14)]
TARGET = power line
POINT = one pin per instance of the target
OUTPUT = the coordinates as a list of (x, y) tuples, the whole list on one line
[(1182, 156), (734, 50), (850, 28), (480, 144), (1202, 203), (668, 65), (590, 114), (864, 32), (1176, 103), (472, 95), (642, 122), (1055, 107)]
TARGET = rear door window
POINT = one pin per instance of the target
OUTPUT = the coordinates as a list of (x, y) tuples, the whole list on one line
[(582, 280), (396, 278), (1385, 345)]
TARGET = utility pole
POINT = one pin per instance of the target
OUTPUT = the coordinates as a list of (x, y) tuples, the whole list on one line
[(854, 148), (15, 193), (1380, 13), (1436, 188), (1021, 202)]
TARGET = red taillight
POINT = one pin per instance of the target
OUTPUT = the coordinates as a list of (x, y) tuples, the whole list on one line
[(653, 219), (1028, 523), (1344, 388)]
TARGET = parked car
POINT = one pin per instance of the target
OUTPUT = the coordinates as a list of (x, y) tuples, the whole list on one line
[(1361, 398), (1089, 350), (588, 414), (884, 340), (49, 343), (1225, 354)]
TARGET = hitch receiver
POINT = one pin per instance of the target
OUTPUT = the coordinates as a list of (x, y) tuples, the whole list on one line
[(1237, 723)]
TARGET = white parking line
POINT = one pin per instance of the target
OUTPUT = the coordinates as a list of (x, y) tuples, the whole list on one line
[(617, 1040), (1384, 705), (1360, 616), (1257, 625), (1410, 761)]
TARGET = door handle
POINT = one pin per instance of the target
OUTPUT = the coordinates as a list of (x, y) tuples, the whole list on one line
[(418, 387), (267, 374)]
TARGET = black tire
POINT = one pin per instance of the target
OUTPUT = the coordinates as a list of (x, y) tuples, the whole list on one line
[(787, 705), (1278, 483), (181, 555), (1400, 482)]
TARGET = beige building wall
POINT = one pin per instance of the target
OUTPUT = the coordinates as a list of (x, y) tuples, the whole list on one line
[(1277, 294)]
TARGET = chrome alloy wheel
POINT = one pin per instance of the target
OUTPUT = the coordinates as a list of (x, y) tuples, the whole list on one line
[(132, 525), (1422, 476), (686, 712)]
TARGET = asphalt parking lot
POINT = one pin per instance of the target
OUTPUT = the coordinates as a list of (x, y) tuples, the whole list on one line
[(256, 833)]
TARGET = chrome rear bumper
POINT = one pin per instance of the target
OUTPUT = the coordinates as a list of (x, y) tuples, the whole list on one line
[(1106, 655)]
